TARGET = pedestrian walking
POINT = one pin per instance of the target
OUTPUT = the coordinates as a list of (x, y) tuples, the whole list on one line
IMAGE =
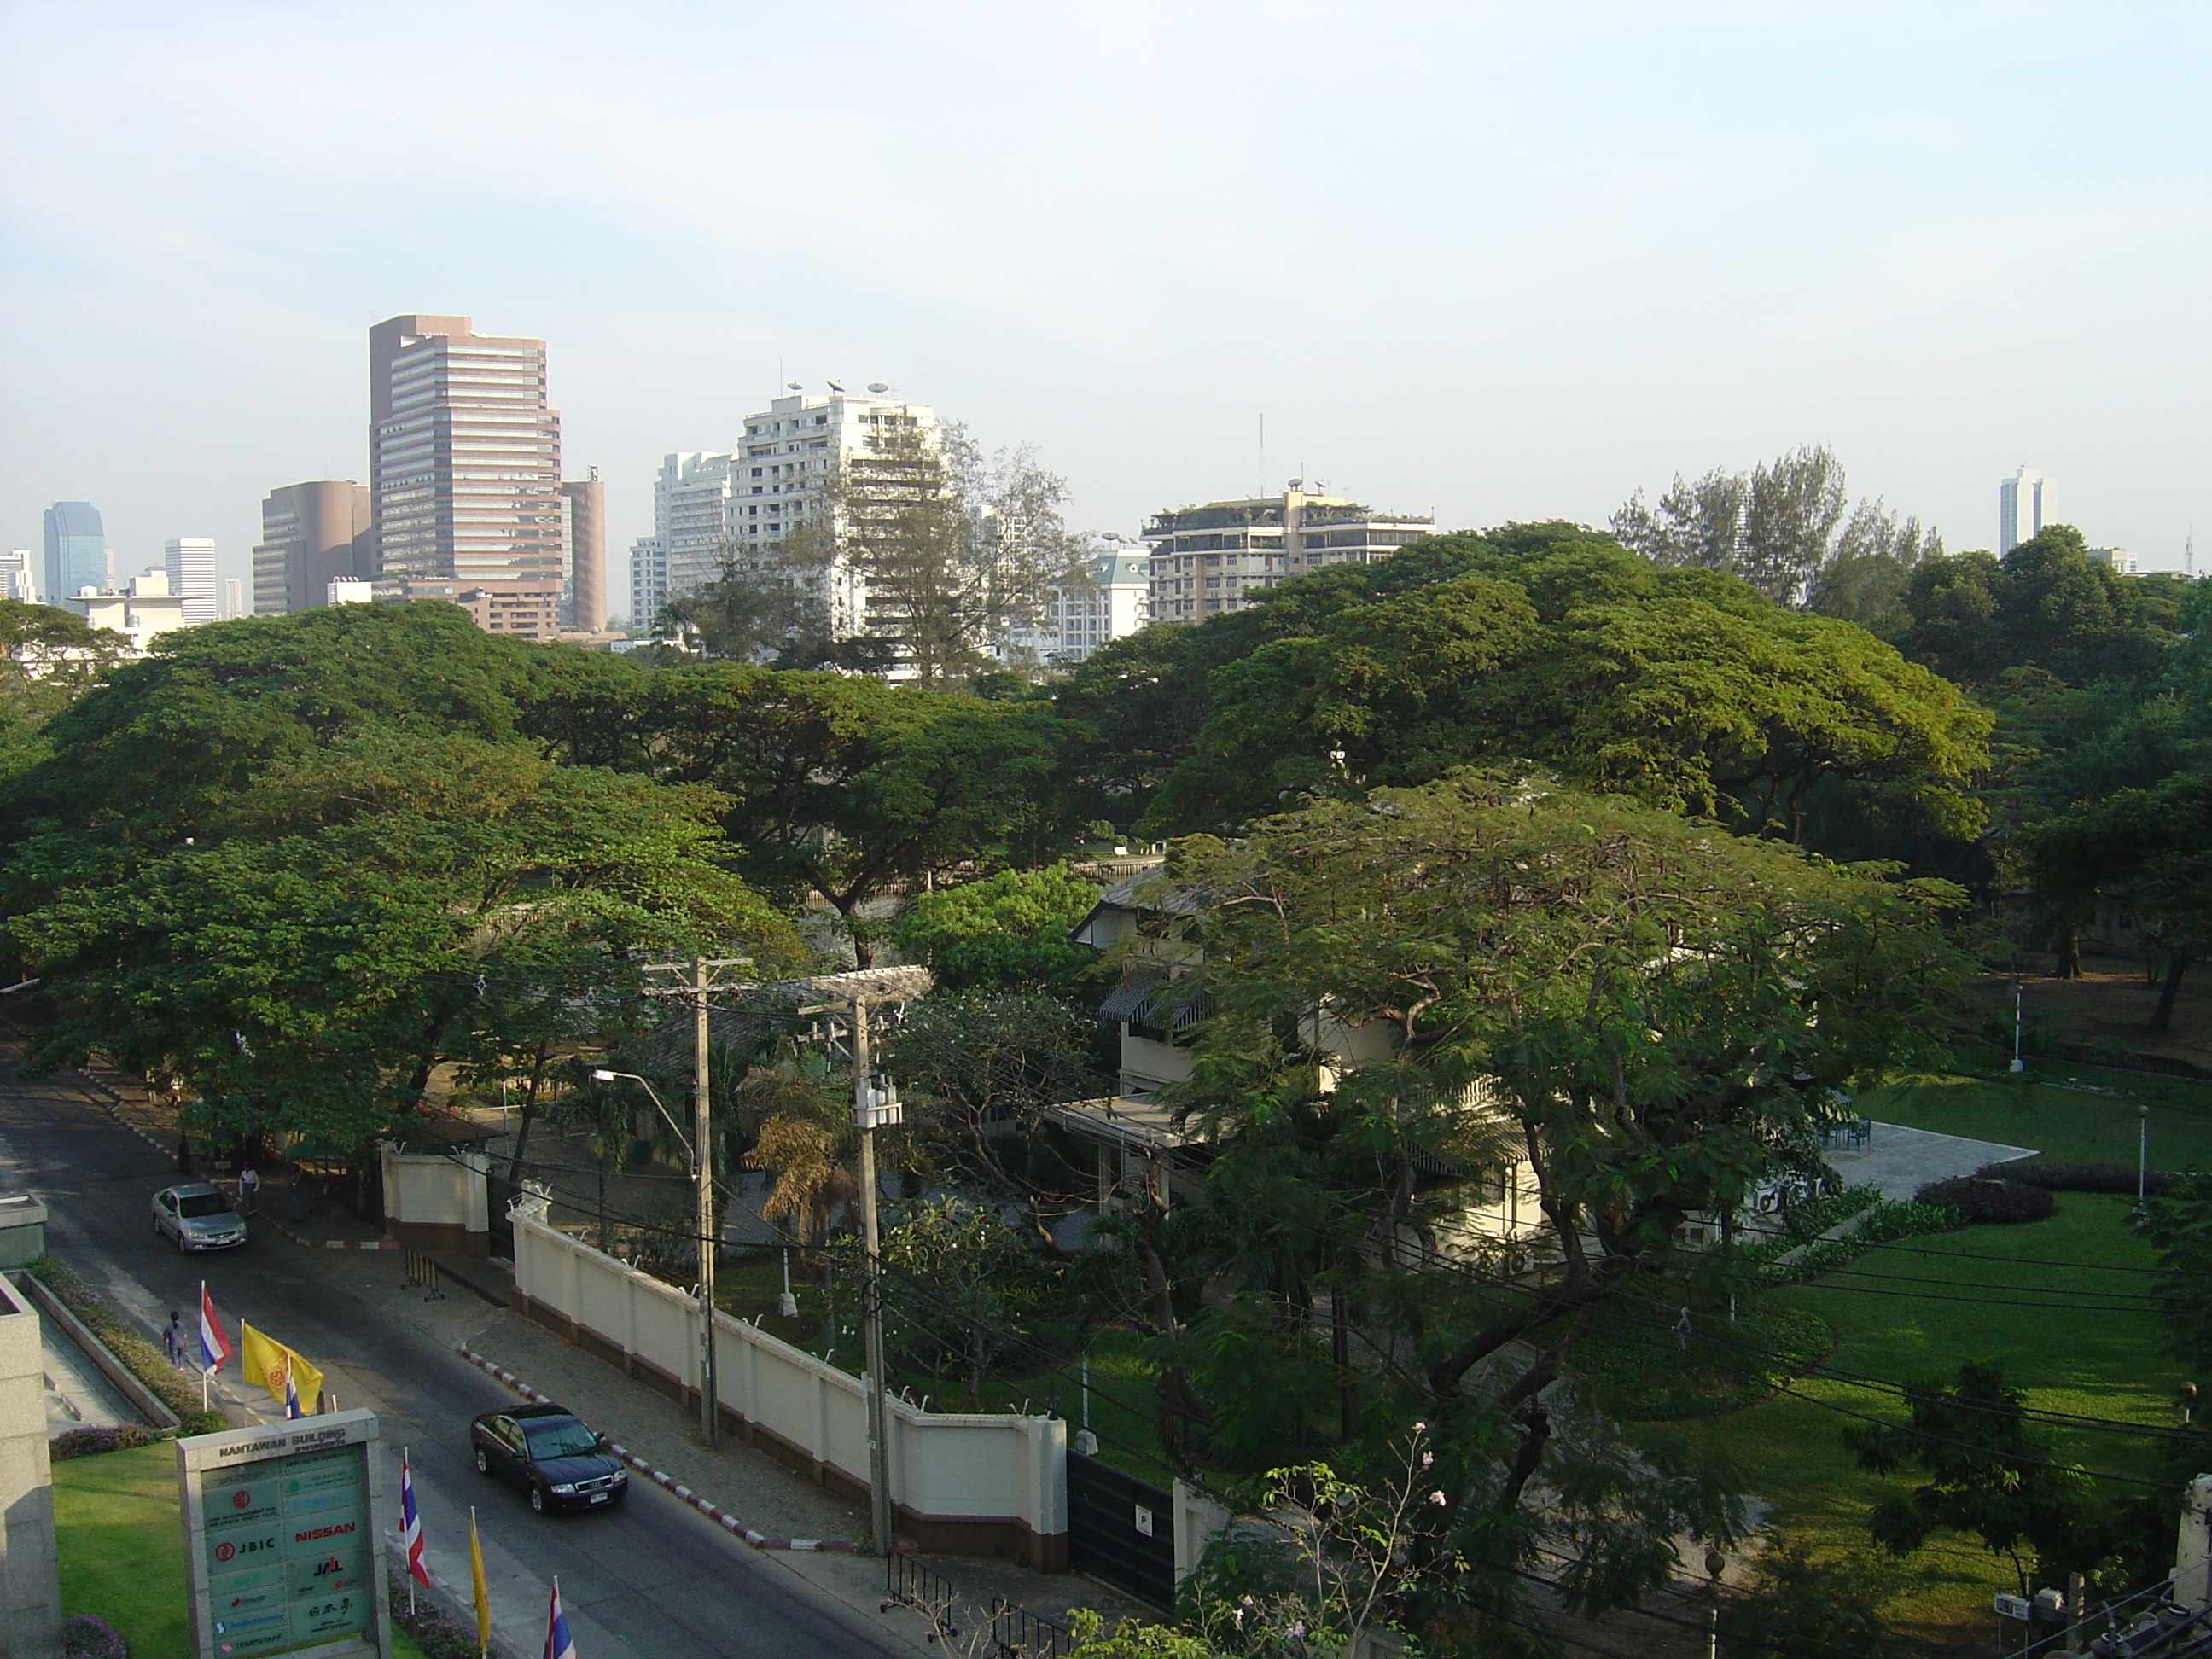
[(172, 1339), (292, 1192), (249, 1189)]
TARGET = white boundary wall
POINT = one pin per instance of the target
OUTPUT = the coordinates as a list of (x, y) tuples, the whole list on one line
[(957, 1479)]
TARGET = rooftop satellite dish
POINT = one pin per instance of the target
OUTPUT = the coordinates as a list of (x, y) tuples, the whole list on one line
[(793, 385), (877, 386)]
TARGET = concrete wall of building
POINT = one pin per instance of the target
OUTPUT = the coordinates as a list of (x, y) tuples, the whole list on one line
[(30, 1590), (982, 1483)]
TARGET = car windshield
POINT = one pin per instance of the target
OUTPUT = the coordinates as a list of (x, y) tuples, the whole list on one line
[(196, 1204), (560, 1436)]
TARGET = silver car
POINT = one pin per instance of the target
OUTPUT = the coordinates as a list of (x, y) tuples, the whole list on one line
[(198, 1217)]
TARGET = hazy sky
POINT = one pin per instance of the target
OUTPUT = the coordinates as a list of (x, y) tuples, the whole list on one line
[(1494, 261)]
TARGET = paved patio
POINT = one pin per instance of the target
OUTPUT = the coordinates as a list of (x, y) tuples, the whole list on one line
[(1900, 1159)]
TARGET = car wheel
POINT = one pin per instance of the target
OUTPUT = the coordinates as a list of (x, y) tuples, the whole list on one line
[(182, 1248), (537, 1498), (484, 1462)]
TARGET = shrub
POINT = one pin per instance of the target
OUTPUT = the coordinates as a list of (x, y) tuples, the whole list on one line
[(439, 1634), (88, 1636), (100, 1437), (1982, 1200), (2076, 1177), (145, 1362)]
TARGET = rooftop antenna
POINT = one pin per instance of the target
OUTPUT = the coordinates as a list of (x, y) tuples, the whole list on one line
[(1263, 453), (2189, 554)]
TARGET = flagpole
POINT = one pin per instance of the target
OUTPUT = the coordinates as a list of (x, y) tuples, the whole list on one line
[(410, 1577), (203, 1370)]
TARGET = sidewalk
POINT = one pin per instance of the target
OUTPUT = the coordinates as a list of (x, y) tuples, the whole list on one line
[(475, 1313)]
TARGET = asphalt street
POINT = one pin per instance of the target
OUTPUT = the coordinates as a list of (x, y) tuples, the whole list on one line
[(648, 1580)]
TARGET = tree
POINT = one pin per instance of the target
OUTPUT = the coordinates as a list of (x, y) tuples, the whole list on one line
[(749, 615), (965, 1283), (363, 914), (1787, 528), (837, 787), (2180, 1226), (982, 1070), (1682, 686), (1988, 1474), (952, 547), (1650, 1010), (1005, 931), (2153, 847), (48, 658)]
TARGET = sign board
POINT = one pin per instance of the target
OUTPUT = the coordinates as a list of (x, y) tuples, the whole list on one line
[(2014, 1607), (283, 1526)]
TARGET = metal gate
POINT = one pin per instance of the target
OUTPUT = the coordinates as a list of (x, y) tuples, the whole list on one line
[(1121, 1530)]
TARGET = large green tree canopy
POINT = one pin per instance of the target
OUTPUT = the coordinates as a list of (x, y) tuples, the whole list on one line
[(1550, 643)]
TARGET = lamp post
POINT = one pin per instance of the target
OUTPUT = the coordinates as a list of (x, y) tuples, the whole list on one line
[(2143, 1158), (703, 1184), (2018, 1064), (1715, 1564)]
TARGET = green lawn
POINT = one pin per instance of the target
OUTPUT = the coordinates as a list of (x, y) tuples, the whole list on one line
[(2052, 1111), (2099, 1363), (122, 1549)]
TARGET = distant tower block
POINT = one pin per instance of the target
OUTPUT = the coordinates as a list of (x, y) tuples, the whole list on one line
[(2027, 504)]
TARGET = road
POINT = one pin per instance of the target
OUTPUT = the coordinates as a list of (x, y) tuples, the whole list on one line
[(648, 1580)]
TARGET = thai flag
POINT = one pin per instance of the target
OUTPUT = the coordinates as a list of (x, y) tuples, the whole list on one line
[(291, 1394), (215, 1347), (410, 1525), (558, 1644)]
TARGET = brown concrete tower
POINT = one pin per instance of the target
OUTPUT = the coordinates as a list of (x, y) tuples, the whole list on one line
[(584, 535)]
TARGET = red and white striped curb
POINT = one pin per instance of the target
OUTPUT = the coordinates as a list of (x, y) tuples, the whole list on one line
[(667, 1482)]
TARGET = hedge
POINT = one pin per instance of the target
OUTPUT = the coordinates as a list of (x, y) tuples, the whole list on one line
[(2076, 1177), (100, 1437), (88, 1636), (145, 1361), (1982, 1200)]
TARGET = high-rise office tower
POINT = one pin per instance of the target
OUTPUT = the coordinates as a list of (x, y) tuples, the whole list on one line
[(190, 562), (584, 553), (312, 534), (465, 469), (2027, 503), (76, 550)]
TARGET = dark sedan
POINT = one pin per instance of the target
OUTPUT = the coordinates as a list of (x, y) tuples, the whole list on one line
[(551, 1456)]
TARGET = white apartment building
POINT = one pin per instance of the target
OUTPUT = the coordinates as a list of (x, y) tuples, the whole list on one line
[(793, 448), (143, 610), (1080, 618), (742, 505), (17, 581), (1221, 557), (2027, 504), (648, 579), (2122, 562), (189, 561)]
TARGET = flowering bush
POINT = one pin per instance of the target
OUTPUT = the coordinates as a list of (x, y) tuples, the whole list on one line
[(100, 1437), (88, 1636), (1980, 1201)]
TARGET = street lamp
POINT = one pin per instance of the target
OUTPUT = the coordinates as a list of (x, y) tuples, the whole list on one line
[(703, 1176), (2142, 1156)]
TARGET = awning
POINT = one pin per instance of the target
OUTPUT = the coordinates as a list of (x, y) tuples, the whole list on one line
[(1126, 998), (1174, 1006)]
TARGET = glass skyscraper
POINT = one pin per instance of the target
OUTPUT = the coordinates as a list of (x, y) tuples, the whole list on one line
[(76, 550)]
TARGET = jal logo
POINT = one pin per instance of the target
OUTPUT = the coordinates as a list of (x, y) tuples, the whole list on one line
[(330, 1565), (241, 1499)]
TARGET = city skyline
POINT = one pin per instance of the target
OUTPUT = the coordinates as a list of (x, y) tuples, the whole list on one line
[(1490, 312)]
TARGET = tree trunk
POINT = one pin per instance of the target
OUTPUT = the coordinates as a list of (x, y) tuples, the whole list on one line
[(2161, 1018), (2070, 949)]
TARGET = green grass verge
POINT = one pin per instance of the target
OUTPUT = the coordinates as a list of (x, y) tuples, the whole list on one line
[(2054, 1111), (2103, 1362), (122, 1549)]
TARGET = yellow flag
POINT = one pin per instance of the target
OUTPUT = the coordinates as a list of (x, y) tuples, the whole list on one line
[(269, 1362), (475, 1582)]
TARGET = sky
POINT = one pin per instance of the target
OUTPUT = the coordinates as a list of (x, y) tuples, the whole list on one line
[(1493, 262)]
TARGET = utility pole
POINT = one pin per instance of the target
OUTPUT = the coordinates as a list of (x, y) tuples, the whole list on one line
[(696, 985), (872, 1108)]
